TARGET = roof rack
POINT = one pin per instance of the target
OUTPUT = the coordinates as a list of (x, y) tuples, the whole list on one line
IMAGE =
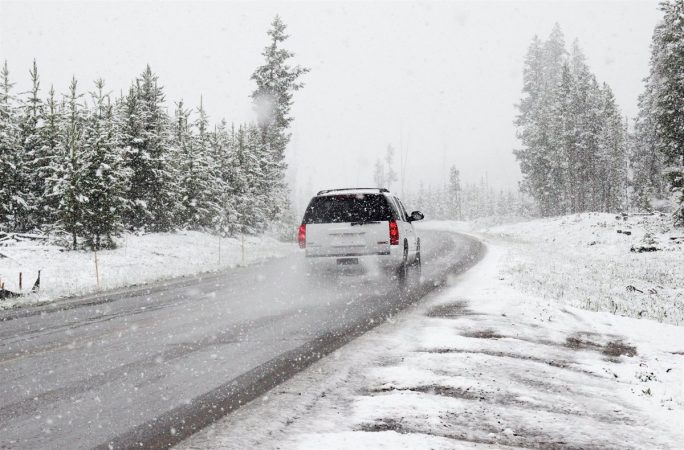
[(327, 191)]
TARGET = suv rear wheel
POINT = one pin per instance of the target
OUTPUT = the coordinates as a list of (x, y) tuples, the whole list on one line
[(403, 270), (418, 262)]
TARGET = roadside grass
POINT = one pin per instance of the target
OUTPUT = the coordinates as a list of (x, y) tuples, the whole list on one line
[(626, 265)]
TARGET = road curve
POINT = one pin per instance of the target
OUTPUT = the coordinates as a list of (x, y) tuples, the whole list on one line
[(148, 368)]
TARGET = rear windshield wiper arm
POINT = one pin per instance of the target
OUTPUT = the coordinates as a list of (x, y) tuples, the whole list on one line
[(364, 223)]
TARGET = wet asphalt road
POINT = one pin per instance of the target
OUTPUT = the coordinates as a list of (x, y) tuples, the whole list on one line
[(148, 368)]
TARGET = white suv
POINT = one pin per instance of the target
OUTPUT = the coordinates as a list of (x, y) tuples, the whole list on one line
[(361, 225)]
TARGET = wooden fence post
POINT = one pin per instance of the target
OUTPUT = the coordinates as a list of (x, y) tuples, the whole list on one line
[(243, 249), (97, 270)]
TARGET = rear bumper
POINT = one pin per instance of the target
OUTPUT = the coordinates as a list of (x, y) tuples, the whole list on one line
[(346, 255), (388, 258)]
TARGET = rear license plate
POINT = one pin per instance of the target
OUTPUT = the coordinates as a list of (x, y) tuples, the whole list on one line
[(347, 261)]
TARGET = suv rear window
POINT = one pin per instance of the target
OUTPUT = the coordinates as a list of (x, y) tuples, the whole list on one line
[(348, 208)]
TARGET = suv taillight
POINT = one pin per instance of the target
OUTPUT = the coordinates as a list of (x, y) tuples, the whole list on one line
[(301, 236), (393, 232)]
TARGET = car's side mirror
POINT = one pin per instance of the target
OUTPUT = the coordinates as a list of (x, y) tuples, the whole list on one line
[(416, 215)]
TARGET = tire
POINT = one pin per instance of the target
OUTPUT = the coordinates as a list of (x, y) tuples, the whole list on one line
[(418, 263), (403, 270)]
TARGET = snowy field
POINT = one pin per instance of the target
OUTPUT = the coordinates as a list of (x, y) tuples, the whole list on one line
[(491, 361), (631, 266), (138, 259)]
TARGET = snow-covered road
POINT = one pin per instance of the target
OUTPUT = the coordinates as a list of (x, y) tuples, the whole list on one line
[(479, 364), (152, 366)]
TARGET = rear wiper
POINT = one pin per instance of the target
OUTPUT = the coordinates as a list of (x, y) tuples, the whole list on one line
[(364, 223)]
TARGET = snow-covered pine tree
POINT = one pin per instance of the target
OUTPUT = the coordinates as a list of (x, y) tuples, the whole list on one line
[(646, 161), (35, 158), (14, 206), (561, 154), (223, 155), (69, 166), (105, 178), (49, 164), (154, 183), (665, 85), (201, 185), (390, 174), (260, 171), (532, 119), (131, 126), (587, 108), (239, 183), (183, 142), (379, 174), (612, 162), (455, 207), (573, 146), (276, 82), (247, 182)]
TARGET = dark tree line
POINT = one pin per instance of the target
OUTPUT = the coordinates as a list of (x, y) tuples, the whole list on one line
[(90, 165)]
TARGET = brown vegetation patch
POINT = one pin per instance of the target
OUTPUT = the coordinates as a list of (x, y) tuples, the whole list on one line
[(619, 348), (383, 425), (551, 362), (576, 343), (613, 348), (450, 310), (483, 334), (504, 398), (436, 389)]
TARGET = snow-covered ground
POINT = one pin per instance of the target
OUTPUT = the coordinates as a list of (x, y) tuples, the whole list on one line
[(490, 361), (596, 261), (138, 259)]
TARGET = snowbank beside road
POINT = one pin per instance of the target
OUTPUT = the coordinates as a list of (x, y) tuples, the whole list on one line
[(483, 363), (139, 259)]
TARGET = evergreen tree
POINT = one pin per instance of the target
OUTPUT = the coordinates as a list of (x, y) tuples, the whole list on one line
[(379, 174), (573, 154), (201, 185), (647, 162), (146, 137), (223, 154), (251, 202), (184, 148), (70, 169), (49, 163), (612, 167), (276, 82), (391, 174), (665, 97), (35, 158), (105, 179), (14, 205), (455, 207)]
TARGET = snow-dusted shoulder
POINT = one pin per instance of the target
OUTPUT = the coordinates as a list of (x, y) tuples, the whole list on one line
[(138, 259)]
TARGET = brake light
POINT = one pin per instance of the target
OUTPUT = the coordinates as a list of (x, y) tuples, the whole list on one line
[(393, 232), (301, 236)]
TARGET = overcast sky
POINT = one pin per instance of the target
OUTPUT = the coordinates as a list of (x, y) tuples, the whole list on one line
[(438, 78)]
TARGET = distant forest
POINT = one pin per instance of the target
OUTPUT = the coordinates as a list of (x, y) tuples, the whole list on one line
[(88, 166), (578, 153)]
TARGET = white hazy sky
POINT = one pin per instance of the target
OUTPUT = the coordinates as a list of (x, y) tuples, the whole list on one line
[(439, 78)]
